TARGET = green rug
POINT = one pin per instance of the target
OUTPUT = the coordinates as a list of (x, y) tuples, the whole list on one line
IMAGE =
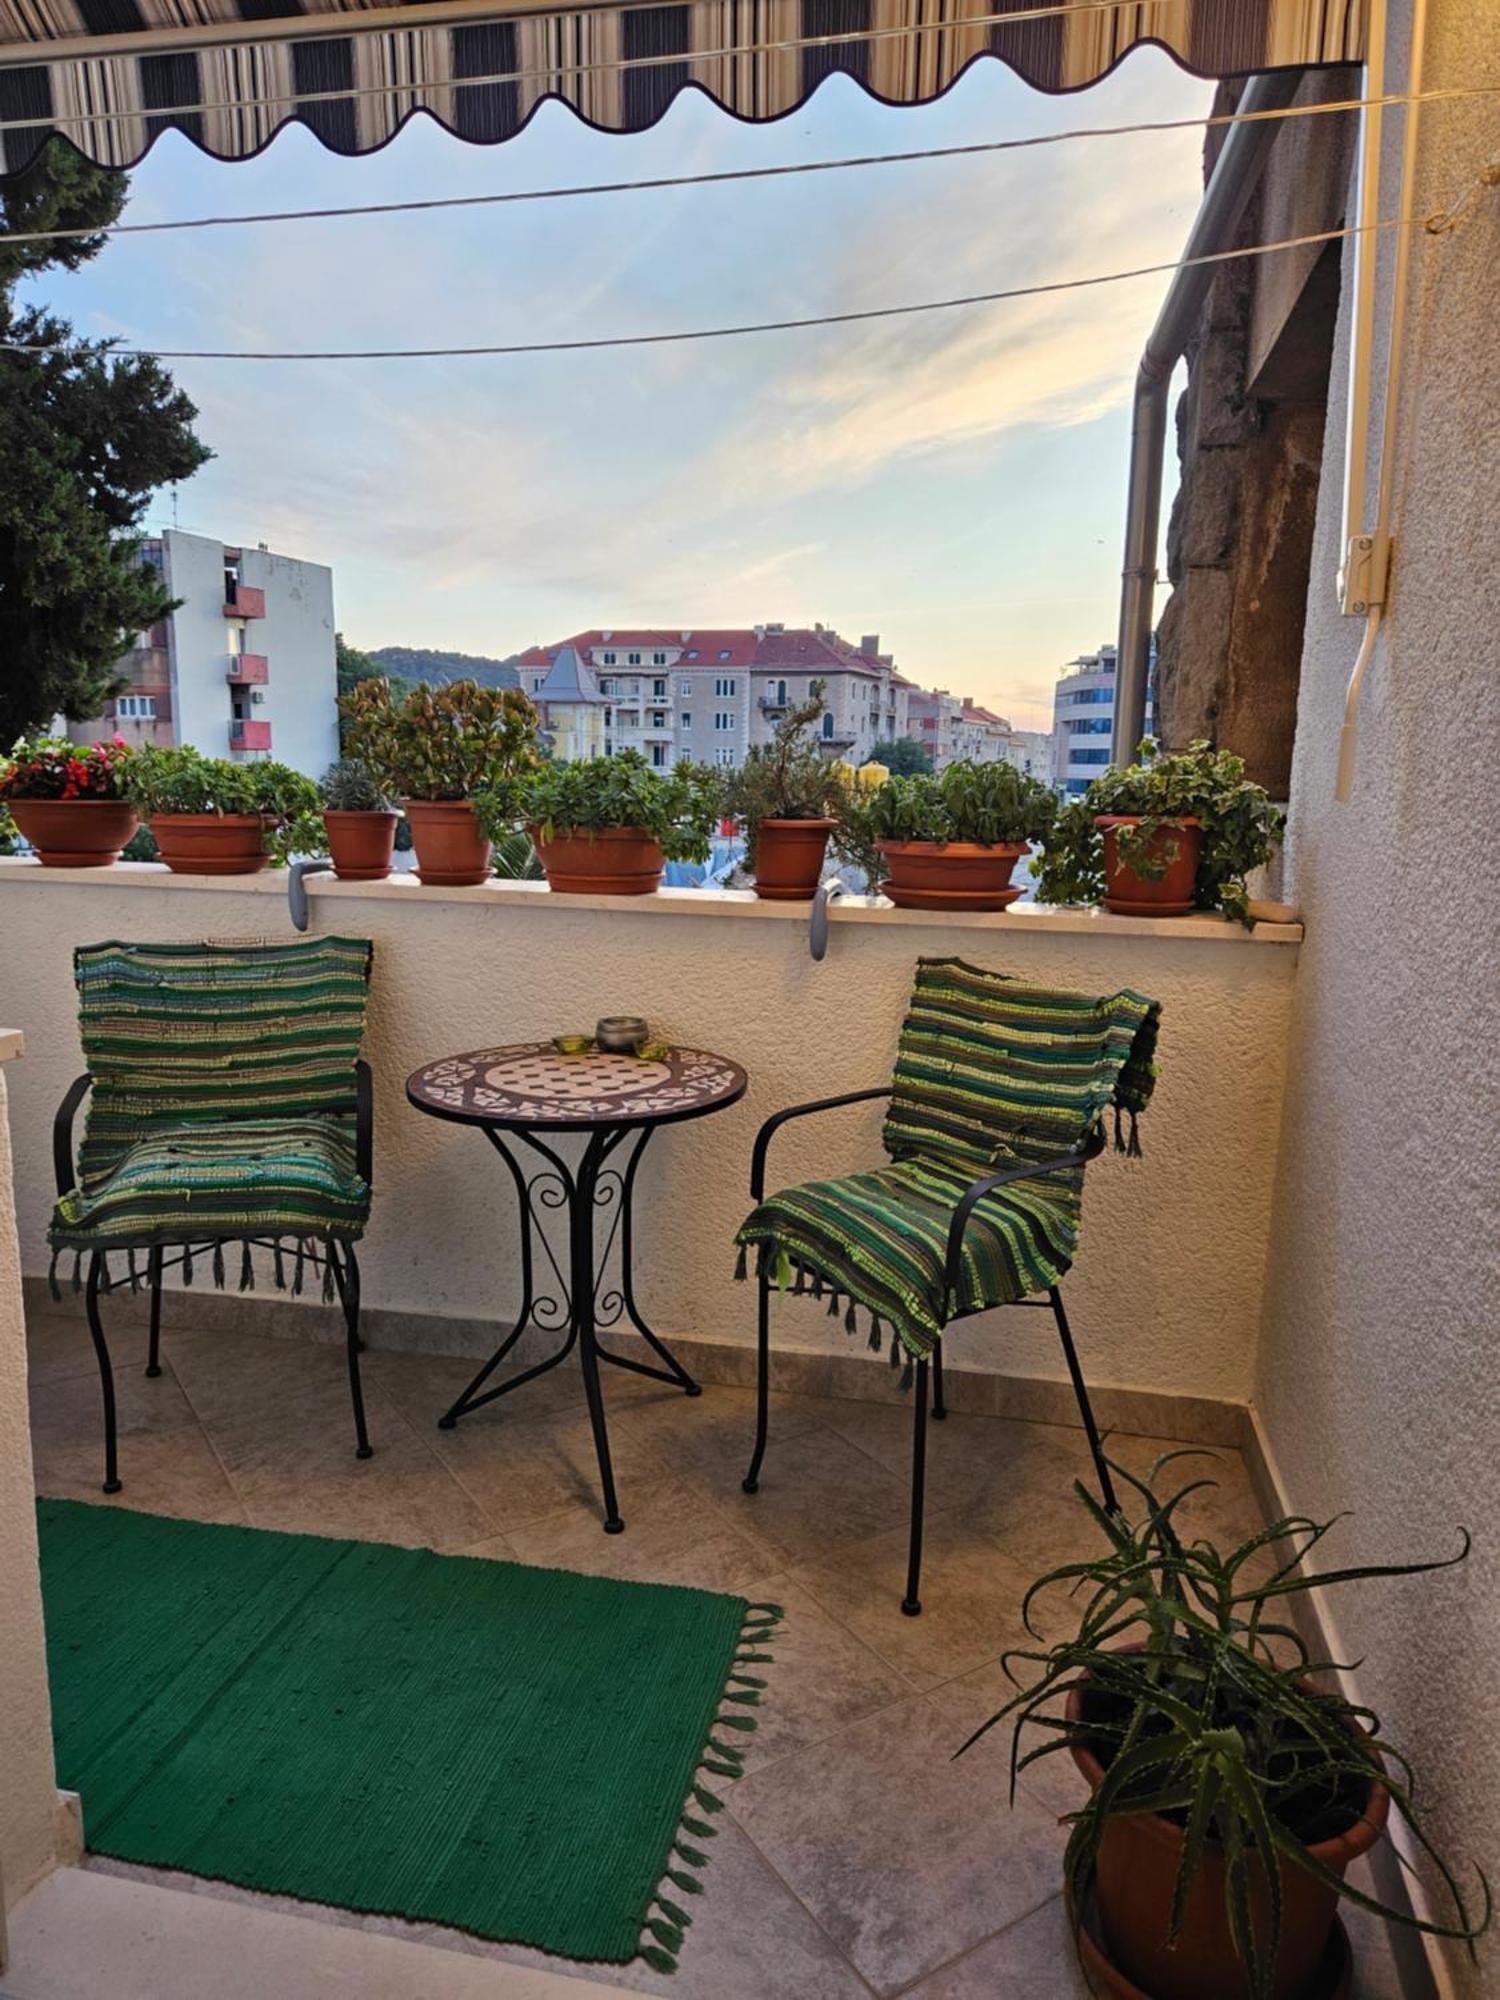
[(515, 1752)]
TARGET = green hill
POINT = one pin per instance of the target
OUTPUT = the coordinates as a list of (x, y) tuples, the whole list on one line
[(426, 663)]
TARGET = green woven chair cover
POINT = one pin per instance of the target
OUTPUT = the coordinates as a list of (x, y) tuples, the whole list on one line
[(990, 1073), (223, 1101)]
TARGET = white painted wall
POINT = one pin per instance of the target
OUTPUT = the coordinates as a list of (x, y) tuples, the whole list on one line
[(1166, 1295), (28, 1787), (1379, 1376)]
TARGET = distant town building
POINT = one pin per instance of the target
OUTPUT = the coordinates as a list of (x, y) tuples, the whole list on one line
[(1083, 718), (243, 668)]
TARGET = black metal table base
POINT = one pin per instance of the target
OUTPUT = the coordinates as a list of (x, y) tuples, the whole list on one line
[(576, 1304)]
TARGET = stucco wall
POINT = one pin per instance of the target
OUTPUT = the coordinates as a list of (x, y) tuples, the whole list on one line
[(28, 1792), (1378, 1383), (1166, 1295)]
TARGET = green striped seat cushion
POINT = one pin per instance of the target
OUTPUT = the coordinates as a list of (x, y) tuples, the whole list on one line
[(223, 1099), (990, 1072)]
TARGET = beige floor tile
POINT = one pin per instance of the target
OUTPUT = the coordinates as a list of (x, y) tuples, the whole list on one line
[(1034, 1959), (718, 1426), (425, 1385), (670, 1536), (166, 1464), (237, 1381), (61, 1346), (971, 1593), (521, 1468), (820, 1679), (906, 1856), (817, 1492)]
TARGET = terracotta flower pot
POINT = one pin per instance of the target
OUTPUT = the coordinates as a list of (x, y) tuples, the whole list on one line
[(1178, 842), (360, 844), (452, 852), (1333, 1979), (1136, 1871), (615, 861), (75, 833), (789, 858), (950, 875), (211, 843)]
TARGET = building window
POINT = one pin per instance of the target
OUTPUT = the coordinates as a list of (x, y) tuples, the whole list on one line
[(658, 690), (685, 689), (606, 687), (658, 659), (726, 653), (687, 718), (658, 754), (725, 757), (827, 726), (135, 707), (658, 718), (609, 659), (724, 718), (234, 639), (632, 659), (726, 689), (1089, 725), (1089, 757), (1084, 696), (538, 681)]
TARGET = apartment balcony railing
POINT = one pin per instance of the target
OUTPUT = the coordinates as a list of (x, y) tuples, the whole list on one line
[(244, 600), (249, 735), (773, 704), (248, 670)]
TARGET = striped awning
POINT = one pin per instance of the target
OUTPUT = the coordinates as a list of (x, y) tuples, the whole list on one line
[(113, 75)]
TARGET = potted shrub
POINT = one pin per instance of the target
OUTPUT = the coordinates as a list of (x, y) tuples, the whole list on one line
[(359, 820), (1230, 1786), (68, 799), (436, 749), (1178, 830), (951, 842), (789, 798), (607, 826), (211, 817)]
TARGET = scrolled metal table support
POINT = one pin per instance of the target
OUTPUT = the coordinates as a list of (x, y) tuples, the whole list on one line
[(579, 1301)]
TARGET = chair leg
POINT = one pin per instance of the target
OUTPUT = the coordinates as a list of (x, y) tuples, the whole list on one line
[(106, 1375), (153, 1272), (1085, 1410), (347, 1280), (939, 1407), (911, 1604), (751, 1479)]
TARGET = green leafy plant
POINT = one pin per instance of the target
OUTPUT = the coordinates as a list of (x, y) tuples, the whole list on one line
[(678, 808), (9, 836), (50, 767), (516, 859), (989, 805), (141, 846), (787, 778), (1198, 1701), (439, 742), (351, 786), (181, 780), (1240, 827)]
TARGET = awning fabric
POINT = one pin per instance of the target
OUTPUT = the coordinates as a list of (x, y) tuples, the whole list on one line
[(113, 75)]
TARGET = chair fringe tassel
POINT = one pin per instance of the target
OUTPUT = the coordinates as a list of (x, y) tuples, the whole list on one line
[(801, 1280)]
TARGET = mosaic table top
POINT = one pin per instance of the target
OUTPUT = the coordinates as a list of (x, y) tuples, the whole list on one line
[(530, 1083)]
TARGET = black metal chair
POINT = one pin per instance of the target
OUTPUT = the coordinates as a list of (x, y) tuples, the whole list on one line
[(229, 1106)]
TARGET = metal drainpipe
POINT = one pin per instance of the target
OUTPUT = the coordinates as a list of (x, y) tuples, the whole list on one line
[(1225, 199)]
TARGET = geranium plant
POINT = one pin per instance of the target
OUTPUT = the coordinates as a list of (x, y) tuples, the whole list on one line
[(678, 808), (50, 767), (439, 742), (1189, 1697), (1240, 827)]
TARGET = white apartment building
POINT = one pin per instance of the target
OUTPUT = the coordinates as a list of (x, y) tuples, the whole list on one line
[(1083, 718), (243, 668)]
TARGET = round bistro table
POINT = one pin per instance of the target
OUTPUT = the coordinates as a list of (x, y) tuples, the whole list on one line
[(522, 1091)]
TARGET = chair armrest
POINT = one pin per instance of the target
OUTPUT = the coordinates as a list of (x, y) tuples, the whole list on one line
[(764, 1135), (1025, 1170), (364, 1122), (62, 1135)]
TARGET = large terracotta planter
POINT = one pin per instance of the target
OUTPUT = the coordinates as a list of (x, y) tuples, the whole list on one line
[(789, 857), (360, 844), (615, 861), (1136, 1871), (1178, 841), (211, 843), (1333, 1979), (75, 833), (452, 852), (950, 875)]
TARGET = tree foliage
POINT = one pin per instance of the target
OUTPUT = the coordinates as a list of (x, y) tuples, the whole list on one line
[(905, 758), (86, 437)]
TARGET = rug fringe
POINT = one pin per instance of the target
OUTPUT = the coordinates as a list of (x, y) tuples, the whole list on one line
[(662, 1935)]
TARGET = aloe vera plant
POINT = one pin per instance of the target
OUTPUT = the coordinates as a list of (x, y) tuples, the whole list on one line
[(1202, 1703)]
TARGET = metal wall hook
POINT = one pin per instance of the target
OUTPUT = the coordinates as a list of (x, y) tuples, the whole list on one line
[(296, 892), (817, 923)]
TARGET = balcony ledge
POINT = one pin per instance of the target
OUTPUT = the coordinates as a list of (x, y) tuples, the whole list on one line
[(1024, 918)]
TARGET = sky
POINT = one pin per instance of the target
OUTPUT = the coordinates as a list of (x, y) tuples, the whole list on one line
[(952, 481)]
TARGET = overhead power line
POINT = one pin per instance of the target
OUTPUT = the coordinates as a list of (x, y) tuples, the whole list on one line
[(735, 174), (599, 341)]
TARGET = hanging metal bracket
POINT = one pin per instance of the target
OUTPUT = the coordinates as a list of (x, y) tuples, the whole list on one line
[(817, 923), (296, 891)]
